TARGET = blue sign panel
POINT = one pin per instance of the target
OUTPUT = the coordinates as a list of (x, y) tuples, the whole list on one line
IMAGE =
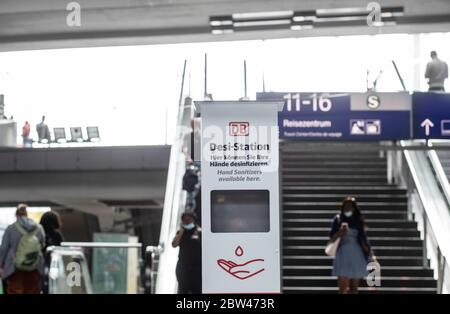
[(343, 116), (431, 118)]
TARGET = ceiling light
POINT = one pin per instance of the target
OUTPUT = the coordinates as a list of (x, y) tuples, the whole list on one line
[(341, 11), (301, 16), (340, 19), (301, 27), (218, 31), (387, 23), (220, 23), (221, 20), (263, 15), (262, 23)]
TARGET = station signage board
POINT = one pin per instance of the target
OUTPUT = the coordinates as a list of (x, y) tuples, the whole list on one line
[(431, 116), (240, 197), (343, 116)]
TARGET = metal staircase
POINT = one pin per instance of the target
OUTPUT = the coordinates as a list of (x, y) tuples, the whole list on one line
[(315, 179)]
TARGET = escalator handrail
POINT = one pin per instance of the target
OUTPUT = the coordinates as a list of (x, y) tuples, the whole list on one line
[(440, 173), (101, 244), (173, 201), (431, 198)]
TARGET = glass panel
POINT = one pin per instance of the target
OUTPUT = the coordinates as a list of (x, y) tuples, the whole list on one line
[(68, 273), (114, 270)]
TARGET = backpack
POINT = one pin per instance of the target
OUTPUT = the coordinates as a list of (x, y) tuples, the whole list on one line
[(190, 179), (28, 252)]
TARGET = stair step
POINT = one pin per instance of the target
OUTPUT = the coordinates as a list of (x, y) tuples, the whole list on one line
[(328, 281), (338, 171), (389, 271), (379, 251), (330, 214), (335, 157), (300, 260), (371, 233), (329, 182), (326, 224), (337, 198), (375, 241), (340, 177), (361, 290), (348, 190), (306, 150), (289, 163), (334, 206)]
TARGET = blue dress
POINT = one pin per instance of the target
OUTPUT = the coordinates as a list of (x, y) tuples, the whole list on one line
[(350, 260)]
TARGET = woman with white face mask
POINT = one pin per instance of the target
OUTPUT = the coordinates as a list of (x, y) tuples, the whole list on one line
[(354, 251)]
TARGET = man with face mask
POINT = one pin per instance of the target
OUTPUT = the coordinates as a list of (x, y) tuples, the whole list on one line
[(189, 266)]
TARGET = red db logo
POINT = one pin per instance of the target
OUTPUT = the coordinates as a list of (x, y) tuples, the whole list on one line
[(239, 128)]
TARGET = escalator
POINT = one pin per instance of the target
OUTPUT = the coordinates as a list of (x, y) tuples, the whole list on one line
[(444, 157), (315, 180)]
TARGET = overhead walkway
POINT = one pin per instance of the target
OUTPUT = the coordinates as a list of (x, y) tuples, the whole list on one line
[(68, 176)]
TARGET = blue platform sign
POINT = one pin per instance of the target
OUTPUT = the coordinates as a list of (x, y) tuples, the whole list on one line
[(431, 118), (343, 116)]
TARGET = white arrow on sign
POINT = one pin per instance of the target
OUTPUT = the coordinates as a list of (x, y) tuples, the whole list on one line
[(427, 124)]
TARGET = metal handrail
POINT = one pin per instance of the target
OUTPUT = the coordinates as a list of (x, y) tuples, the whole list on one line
[(166, 281), (154, 252), (79, 246), (440, 173), (430, 207), (102, 244), (173, 207)]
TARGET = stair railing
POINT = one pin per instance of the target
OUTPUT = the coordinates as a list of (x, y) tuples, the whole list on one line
[(174, 202), (439, 170)]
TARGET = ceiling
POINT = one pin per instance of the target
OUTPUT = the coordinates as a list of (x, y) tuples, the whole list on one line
[(41, 24)]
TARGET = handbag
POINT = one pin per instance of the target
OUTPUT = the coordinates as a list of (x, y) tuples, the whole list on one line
[(332, 247)]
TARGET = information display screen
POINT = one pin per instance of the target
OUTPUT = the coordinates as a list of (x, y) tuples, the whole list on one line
[(240, 211)]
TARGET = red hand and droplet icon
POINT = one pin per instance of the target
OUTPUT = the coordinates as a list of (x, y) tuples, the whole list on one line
[(242, 271)]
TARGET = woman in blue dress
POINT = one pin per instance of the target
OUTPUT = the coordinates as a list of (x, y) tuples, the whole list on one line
[(354, 251)]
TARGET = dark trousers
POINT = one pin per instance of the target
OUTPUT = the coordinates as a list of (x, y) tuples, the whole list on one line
[(24, 282), (436, 89), (189, 278)]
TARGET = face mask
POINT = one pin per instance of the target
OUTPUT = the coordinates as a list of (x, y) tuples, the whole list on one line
[(348, 214), (189, 226)]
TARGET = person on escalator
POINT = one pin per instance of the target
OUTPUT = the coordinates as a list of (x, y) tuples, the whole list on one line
[(190, 185), (21, 261), (51, 222), (354, 251), (189, 266), (192, 143)]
